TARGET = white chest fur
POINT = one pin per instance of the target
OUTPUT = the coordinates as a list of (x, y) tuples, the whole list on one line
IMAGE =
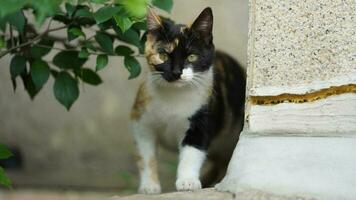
[(170, 111), (171, 107)]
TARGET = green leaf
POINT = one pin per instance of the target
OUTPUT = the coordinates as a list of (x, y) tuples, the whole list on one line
[(133, 66), (141, 48), (123, 22), (68, 60), (10, 6), (42, 49), (39, 73), (2, 42), (66, 89), (83, 12), (3, 23), (89, 45), (4, 180), (54, 73), (101, 62), (44, 8), (105, 13), (136, 8), (122, 50), (99, 1), (106, 25), (89, 76), (4, 152), (140, 25), (84, 53), (163, 4), (17, 65), (69, 8), (29, 85), (130, 36), (76, 31), (14, 83), (105, 42), (17, 19)]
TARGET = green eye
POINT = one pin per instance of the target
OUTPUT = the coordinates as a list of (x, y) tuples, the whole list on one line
[(192, 58), (163, 57)]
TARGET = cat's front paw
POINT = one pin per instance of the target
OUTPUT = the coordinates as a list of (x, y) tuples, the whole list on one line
[(188, 184), (152, 188)]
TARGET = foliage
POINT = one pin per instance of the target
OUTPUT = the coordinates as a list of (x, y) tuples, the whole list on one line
[(4, 154), (94, 28)]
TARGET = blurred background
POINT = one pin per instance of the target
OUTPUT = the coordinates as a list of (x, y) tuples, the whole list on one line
[(90, 148)]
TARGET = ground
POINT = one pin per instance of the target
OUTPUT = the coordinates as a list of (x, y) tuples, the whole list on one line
[(204, 194)]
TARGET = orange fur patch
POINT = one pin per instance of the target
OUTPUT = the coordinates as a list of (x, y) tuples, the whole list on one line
[(141, 101), (153, 168), (139, 162), (151, 50)]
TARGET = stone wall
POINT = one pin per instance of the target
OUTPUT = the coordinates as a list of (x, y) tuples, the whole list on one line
[(301, 52), (300, 125)]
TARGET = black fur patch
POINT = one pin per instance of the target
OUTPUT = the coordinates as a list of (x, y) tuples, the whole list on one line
[(206, 123)]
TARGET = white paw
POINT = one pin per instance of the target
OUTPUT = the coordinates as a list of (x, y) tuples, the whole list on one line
[(152, 188), (188, 184)]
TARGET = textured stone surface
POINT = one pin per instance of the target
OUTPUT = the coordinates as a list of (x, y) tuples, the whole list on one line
[(205, 194), (298, 47), (212, 194), (313, 167), (303, 44), (53, 195), (333, 116)]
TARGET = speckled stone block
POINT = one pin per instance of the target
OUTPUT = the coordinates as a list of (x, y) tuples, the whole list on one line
[(296, 50), (300, 133), (301, 46)]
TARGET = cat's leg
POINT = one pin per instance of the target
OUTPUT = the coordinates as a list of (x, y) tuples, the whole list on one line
[(190, 162), (145, 139), (192, 154)]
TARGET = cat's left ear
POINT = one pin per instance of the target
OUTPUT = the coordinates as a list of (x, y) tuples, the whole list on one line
[(203, 25), (154, 22)]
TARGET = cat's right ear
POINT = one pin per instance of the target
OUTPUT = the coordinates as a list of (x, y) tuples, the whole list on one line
[(154, 22), (203, 25)]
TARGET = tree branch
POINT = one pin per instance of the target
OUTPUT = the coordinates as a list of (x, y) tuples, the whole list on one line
[(38, 37)]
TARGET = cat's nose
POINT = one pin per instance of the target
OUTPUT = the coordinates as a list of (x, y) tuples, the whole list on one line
[(177, 73)]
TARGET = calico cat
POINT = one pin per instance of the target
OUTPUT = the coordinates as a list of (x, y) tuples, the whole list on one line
[(192, 100)]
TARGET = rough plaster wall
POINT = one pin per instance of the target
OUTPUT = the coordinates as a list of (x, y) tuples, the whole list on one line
[(302, 148), (90, 146), (299, 46)]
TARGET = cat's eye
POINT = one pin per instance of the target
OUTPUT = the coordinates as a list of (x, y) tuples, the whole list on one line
[(163, 57), (192, 58)]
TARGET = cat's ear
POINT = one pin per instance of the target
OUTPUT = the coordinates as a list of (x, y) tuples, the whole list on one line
[(203, 25), (154, 22)]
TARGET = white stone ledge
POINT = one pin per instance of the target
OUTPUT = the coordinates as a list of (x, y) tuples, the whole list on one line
[(333, 116), (311, 167), (303, 88)]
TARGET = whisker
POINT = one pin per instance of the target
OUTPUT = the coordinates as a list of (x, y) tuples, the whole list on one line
[(200, 81)]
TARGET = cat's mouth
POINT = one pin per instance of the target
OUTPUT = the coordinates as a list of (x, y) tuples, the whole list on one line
[(185, 78), (179, 83)]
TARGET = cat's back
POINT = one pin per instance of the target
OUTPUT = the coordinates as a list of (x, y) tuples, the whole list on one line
[(229, 82), (227, 104)]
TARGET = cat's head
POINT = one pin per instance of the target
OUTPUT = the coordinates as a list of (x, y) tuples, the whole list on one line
[(179, 54)]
